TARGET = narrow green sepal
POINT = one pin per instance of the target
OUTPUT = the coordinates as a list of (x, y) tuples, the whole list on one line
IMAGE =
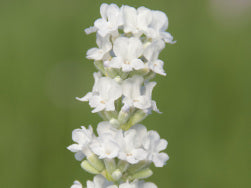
[(100, 66), (96, 162), (88, 167), (137, 167), (137, 117), (123, 165), (110, 165), (142, 174)]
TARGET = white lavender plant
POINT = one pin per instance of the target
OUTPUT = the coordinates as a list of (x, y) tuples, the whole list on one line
[(129, 41)]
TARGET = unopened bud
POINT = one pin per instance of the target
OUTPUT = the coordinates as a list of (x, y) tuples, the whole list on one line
[(116, 175), (142, 174), (88, 167), (110, 165), (99, 65), (114, 122), (123, 116), (123, 165), (96, 162)]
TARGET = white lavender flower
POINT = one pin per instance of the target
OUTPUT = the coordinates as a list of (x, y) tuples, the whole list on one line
[(127, 52), (102, 52), (83, 137), (120, 152), (154, 145), (151, 53), (136, 144), (104, 93), (135, 95), (109, 22)]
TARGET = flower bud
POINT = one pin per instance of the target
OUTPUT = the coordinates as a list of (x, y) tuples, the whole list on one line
[(110, 165), (88, 167), (123, 165), (123, 116), (96, 162), (142, 174), (114, 122), (116, 175), (99, 65)]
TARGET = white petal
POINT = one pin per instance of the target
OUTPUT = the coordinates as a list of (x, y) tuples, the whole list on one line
[(135, 48), (120, 47), (151, 53), (87, 97), (109, 89), (167, 37), (90, 184), (154, 107), (76, 184), (98, 108), (149, 185), (130, 19), (105, 127), (126, 67), (99, 181), (103, 10), (104, 43), (148, 89), (138, 64), (74, 147), (139, 154), (90, 30), (157, 66), (160, 159), (110, 105), (132, 86), (161, 145), (160, 20), (103, 27), (141, 132), (144, 17), (113, 13), (116, 62), (95, 53), (79, 156)]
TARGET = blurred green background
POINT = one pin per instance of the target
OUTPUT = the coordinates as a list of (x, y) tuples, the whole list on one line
[(205, 99)]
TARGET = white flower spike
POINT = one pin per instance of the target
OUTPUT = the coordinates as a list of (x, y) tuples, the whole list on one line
[(120, 151)]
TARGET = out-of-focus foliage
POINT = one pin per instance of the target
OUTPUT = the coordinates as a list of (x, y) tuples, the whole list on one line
[(205, 97)]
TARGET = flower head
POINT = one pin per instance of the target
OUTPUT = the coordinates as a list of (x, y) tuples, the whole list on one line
[(129, 41)]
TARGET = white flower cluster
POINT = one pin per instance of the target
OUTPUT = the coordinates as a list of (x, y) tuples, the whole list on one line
[(100, 182), (134, 145), (129, 42), (130, 39), (107, 90)]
